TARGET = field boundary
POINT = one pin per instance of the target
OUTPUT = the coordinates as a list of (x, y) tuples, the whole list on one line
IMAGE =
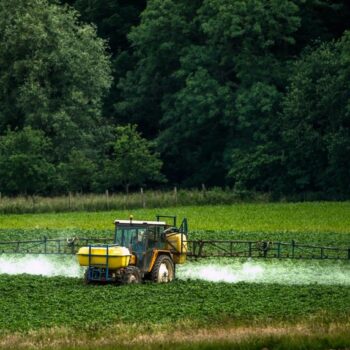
[(121, 201), (124, 336)]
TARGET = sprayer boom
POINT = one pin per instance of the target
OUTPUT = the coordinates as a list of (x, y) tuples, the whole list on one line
[(196, 249)]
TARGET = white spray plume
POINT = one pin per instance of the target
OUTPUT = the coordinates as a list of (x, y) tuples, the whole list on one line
[(40, 265), (281, 272), (219, 270)]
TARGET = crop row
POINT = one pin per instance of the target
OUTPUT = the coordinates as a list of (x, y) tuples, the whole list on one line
[(29, 302)]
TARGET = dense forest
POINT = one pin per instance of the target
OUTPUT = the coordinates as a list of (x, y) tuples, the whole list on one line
[(251, 95)]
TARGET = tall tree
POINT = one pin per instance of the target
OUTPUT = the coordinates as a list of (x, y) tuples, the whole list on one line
[(316, 121), (322, 20), (133, 162), (54, 72), (25, 162), (197, 67), (113, 20), (77, 173), (165, 29), (255, 40)]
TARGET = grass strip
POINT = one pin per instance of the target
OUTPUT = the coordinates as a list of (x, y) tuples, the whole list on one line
[(187, 335)]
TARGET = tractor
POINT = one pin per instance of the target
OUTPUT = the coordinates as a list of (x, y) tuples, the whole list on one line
[(142, 250)]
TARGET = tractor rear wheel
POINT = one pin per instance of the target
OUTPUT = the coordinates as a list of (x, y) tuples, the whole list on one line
[(163, 270), (132, 274)]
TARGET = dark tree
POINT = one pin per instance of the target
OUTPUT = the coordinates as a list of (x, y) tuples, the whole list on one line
[(53, 73), (25, 162), (316, 121)]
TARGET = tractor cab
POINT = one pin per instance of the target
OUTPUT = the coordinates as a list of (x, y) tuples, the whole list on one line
[(141, 238), (139, 235), (144, 239)]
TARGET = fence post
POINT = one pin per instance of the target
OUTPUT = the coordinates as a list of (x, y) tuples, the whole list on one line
[(204, 190), (143, 198), (175, 195), (107, 199), (69, 199), (125, 201)]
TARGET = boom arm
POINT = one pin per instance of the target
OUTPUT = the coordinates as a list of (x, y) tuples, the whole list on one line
[(195, 248)]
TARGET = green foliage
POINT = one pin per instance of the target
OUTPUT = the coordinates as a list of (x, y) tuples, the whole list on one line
[(261, 32), (157, 43), (195, 113), (53, 73), (255, 156), (25, 162), (133, 161), (47, 302), (217, 74), (202, 90), (113, 20), (316, 120), (78, 172), (234, 93)]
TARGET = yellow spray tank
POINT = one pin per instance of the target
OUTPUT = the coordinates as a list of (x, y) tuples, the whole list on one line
[(115, 256), (177, 243)]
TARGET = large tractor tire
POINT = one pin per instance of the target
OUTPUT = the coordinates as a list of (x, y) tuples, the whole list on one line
[(132, 274), (163, 270)]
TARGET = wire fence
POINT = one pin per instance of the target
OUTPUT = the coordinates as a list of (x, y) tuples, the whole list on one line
[(122, 201)]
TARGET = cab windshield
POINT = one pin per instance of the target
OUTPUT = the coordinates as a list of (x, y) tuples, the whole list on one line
[(138, 236), (126, 236)]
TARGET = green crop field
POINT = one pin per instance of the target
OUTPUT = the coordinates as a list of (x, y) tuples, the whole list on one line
[(29, 303), (59, 301), (266, 217), (292, 303)]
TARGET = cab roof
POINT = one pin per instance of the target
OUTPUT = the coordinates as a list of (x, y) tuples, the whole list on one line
[(137, 222)]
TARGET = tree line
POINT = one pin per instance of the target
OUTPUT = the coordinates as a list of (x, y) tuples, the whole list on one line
[(250, 94)]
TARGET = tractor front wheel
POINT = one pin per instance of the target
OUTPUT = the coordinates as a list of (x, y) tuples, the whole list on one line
[(131, 274), (163, 270)]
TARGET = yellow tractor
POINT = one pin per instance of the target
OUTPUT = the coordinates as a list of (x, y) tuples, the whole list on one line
[(142, 250)]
